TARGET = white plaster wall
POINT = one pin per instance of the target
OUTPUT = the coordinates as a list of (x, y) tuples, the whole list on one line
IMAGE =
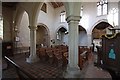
[(65, 39), (52, 20), (24, 31), (47, 18), (83, 38), (59, 24), (88, 20), (90, 17), (119, 14)]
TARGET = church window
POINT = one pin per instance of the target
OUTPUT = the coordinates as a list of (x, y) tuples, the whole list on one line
[(63, 16), (102, 7)]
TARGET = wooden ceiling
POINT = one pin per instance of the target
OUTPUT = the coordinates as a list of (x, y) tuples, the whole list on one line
[(13, 4), (9, 4), (56, 4)]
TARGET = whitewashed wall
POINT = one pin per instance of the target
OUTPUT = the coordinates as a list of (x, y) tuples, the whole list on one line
[(90, 17), (52, 20), (83, 38), (24, 31), (58, 24), (47, 18)]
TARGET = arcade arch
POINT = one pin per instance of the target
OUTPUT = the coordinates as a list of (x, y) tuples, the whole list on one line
[(42, 36)]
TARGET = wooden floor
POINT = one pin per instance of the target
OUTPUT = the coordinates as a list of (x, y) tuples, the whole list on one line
[(45, 70)]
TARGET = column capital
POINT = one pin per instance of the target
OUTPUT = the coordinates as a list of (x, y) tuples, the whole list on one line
[(32, 27), (73, 18)]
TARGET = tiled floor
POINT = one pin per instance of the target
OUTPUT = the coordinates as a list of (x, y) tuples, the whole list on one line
[(46, 70), (91, 71)]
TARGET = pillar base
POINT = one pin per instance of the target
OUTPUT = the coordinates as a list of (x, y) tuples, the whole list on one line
[(72, 72), (32, 59)]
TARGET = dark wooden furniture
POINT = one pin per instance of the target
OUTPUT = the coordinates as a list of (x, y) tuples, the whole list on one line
[(58, 55), (109, 54), (7, 48), (82, 59), (99, 56)]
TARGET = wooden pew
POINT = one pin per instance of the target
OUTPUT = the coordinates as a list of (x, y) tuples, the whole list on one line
[(65, 59), (82, 58), (57, 57), (42, 54), (50, 55)]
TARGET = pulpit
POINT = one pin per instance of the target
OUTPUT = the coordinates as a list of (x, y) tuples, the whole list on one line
[(111, 51), (109, 54)]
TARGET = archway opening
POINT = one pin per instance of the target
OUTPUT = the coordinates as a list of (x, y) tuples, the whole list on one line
[(22, 33), (42, 36), (61, 36), (100, 29)]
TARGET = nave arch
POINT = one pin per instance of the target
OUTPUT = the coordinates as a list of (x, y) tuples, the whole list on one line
[(101, 28), (61, 35), (42, 35)]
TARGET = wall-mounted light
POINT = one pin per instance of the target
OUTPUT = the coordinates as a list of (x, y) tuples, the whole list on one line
[(66, 32)]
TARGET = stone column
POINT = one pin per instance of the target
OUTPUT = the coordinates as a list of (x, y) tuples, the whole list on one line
[(73, 71), (33, 57)]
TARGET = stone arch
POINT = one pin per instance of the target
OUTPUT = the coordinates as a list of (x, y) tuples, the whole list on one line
[(61, 26), (99, 21), (24, 31), (21, 37), (37, 8), (43, 35), (101, 26), (61, 36), (18, 15), (99, 29)]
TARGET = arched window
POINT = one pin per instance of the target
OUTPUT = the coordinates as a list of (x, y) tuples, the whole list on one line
[(63, 16), (102, 7), (1, 27)]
